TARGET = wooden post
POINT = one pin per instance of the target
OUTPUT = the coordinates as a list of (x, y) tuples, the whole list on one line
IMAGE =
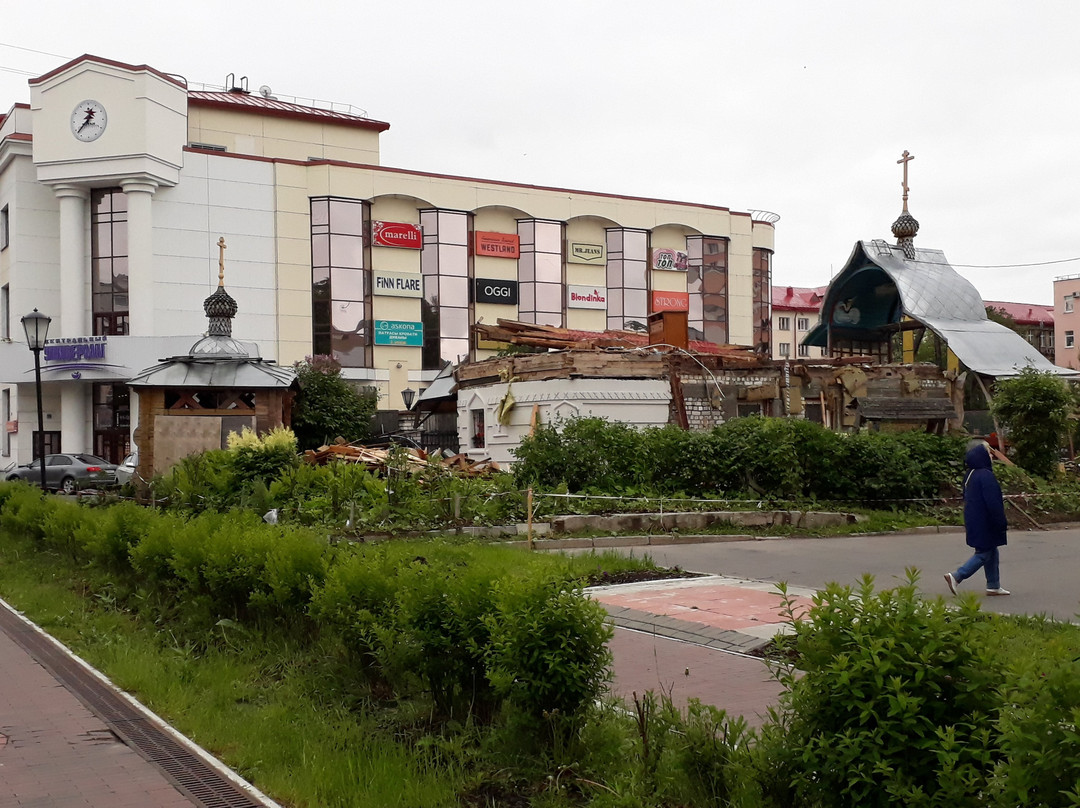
[(529, 510)]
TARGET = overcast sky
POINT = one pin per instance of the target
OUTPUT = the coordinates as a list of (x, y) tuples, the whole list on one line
[(797, 107)]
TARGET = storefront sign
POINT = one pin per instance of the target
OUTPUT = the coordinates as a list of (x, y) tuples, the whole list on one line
[(399, 332), (496, 245), (670, 301), (670, 259), (75, 349), (582, 253), (397, 234), (487, 290), (396, 284), (586, 297)]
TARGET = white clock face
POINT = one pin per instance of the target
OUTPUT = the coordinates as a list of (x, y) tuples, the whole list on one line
[(88, 120)]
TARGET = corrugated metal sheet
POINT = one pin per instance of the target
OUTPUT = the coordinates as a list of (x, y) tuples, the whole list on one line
[(935, 294), (258, 102), (221, 373)]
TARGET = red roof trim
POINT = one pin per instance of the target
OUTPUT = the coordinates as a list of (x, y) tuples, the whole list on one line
[(279, 109), (1024, 313), (86, 57), (410, 172)]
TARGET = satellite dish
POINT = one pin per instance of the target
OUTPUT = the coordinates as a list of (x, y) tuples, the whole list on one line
[(265, 92)]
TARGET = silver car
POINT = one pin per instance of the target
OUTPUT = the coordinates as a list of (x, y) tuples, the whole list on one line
[(68, 472)]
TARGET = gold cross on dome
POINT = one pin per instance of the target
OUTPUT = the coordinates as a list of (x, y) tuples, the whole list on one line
[(905, 158), (221, 259)]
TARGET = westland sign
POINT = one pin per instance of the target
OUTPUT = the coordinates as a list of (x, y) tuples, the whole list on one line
[(399, 332), (496, 245), (397, 234)]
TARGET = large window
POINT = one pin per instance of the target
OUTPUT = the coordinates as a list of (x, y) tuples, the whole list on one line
[(802, 324), (112, 422), (109, 261), (1068, 339), (783, 323), (762, 266), (340, 283), (628, 279), (540, 272), (706, 283), (444, 264)]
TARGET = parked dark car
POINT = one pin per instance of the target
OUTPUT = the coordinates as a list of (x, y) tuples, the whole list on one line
[(68, 472)]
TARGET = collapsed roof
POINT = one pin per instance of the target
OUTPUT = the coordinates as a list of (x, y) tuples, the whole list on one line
[(880, 286)]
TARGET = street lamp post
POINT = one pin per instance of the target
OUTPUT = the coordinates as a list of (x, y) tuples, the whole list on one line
[(407, 396), (36, 326)]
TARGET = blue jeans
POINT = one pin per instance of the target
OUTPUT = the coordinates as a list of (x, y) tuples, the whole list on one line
[(988, 560)]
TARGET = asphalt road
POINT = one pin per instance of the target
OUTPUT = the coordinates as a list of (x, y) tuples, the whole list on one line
[(1040, 568)]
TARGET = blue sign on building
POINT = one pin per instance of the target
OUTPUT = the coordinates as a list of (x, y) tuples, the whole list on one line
[(399, 332)]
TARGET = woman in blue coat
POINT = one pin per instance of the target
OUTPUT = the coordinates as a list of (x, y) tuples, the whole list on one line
[(984, 521)]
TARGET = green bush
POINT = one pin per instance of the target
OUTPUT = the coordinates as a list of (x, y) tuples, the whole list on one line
[(327, 406), (895, 703), (1033, 409), (1039, 727), (548, 651), (262, 458), (773, 458)]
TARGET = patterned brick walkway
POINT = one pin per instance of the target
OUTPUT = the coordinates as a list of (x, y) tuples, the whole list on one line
[(54, 752), (689, 638)]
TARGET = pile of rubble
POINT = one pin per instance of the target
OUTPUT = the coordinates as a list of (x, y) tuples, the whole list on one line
[(377, 459), (534, 335)]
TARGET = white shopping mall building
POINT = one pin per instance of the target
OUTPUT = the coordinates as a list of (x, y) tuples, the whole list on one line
[(117, 182)]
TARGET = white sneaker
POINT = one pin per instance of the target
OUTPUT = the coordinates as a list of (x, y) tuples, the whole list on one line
[(998, 591), (951, 582)]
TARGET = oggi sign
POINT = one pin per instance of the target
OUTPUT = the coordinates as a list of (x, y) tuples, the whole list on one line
[(489, 290)]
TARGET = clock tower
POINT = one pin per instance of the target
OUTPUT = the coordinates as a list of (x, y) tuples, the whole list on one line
[(98, 123)]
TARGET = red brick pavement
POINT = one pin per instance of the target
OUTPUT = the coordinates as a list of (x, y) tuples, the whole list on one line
[(738, 684), (711, 617), (54, 752)]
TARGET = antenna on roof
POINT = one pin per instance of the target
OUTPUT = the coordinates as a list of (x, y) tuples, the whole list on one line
[(267, 93), (233, 87)]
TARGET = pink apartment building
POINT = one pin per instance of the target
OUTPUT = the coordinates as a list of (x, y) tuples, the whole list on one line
[(1067, 321), (795, 311)]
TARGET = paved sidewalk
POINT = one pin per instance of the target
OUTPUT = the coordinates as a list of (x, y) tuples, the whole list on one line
[(55, 752), (690, 638), (69, 738)]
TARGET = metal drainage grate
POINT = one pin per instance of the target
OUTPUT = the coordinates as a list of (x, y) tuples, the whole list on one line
[(192, 775)]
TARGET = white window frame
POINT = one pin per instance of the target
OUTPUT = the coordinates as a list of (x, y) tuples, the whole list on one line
[(802, 324), (784, 323), (1068, 339), (785, 349)]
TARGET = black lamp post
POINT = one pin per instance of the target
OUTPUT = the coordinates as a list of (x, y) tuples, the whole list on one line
[(36, 325), (407, 396)]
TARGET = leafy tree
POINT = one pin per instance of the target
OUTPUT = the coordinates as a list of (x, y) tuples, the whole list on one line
[(327, 406), (1004, 318), (1033, 408)]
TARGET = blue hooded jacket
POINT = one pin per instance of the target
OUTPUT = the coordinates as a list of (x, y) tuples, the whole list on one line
[(984, 506)]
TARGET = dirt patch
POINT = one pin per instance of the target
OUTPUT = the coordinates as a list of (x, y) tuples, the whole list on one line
[(638, 576)]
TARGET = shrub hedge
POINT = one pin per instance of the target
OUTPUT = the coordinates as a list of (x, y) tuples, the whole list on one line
[(454, 622), (773, 457)]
